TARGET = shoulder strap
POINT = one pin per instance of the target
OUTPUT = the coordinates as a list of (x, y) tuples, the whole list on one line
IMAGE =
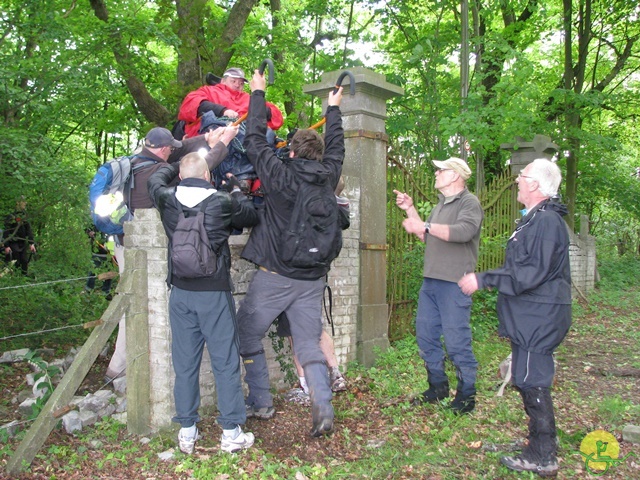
[(131, 182), (328, 312)]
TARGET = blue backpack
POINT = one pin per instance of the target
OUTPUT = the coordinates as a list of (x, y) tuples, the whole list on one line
[(109, 194)]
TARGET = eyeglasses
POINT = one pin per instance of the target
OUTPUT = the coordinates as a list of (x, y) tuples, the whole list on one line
[(440, 170), (524, 176)]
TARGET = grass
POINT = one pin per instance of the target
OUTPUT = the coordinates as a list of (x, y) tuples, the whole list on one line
[(429, 441)]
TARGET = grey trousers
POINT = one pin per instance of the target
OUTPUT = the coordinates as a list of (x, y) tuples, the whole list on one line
[(196, 318), (270, 294)]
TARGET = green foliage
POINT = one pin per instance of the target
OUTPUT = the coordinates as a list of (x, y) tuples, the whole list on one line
[(618, 412), (484, 319), (619, 273), (284, 357)]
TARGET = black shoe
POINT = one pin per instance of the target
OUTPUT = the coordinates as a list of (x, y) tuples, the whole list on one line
[(435, 393), (463, 403)]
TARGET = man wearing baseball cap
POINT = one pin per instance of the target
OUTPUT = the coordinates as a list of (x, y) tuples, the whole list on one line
[(451, 235), (157, 148)]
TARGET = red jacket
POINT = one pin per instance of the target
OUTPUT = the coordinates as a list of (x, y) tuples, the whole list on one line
[(222, 95)]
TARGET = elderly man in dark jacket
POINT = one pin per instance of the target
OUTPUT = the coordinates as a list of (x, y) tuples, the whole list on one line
[(277, 285), (534, 307), (202, 309)]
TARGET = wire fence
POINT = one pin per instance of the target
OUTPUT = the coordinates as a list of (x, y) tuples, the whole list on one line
[(84, 325)]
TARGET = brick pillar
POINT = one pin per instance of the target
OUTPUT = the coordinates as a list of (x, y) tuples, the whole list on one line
[(150, 402)]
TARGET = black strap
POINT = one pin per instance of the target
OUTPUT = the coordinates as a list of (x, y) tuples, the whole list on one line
[(328, 312)]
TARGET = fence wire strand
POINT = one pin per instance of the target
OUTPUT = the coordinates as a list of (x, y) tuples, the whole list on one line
[(50, 282)]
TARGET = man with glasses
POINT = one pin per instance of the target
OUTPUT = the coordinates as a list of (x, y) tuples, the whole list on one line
[(212, 106), (534, 307), (451, 235)]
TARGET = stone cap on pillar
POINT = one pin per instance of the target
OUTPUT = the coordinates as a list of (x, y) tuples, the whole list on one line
[(369, 85), (524, 152)]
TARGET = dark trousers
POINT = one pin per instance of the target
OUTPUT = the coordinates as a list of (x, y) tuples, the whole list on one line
[(21, 257), (270, 294), (444, 312), (530, 369)]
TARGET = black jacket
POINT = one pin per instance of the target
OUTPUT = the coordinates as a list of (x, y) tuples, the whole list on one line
[(534, 284), (223, 213), (17, 232), (280, 184)]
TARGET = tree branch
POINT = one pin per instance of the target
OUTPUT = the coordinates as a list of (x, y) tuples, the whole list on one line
[(152, 110)]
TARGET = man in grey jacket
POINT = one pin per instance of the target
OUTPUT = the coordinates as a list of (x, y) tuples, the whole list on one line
[(451, 235)]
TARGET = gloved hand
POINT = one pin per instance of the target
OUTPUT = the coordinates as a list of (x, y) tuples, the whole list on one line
[(230, 184)]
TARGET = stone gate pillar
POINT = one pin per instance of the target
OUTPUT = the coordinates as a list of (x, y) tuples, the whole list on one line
[(524, 152), (364, 253)]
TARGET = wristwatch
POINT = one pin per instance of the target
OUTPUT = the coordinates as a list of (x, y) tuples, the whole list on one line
[(427, 227)]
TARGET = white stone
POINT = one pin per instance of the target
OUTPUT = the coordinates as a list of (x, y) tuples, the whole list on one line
[(87, 417), (14, 355), (72, 422), (105, 395), (120, 417), (121, 404), (167, 455), (25, 408), (92, 403), (120, 385)]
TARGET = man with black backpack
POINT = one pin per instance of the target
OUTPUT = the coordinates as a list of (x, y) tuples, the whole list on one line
[(299, 193), (201, 307)]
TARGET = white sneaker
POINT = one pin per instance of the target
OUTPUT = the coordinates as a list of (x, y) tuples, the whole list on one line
[(241, 442), (187, 440)]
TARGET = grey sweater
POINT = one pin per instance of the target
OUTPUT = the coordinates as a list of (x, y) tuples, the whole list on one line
[(450, 260)]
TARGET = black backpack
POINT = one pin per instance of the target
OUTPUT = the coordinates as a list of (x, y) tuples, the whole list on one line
[(313, 237), (191, 253)]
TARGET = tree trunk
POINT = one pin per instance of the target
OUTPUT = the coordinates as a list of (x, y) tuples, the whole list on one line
[(223, 49), (190, 18)]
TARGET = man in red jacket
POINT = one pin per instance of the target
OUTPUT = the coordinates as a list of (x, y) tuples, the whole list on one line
[(201, 110), (224, 99)]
